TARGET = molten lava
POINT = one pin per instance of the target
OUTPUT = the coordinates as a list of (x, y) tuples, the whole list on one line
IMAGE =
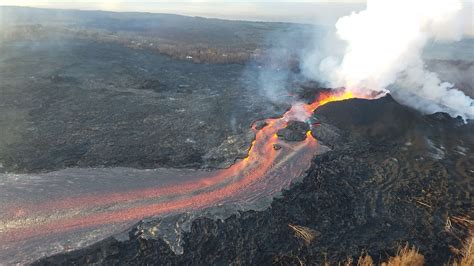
[(329, 96), (263, 172)]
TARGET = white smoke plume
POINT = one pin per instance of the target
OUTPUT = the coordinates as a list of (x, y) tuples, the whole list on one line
[(384, 53)]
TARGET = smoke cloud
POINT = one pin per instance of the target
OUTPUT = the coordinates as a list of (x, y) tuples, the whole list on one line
[(383, 52)]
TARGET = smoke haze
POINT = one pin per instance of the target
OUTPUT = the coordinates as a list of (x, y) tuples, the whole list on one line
[(383, 52), (376, 49)]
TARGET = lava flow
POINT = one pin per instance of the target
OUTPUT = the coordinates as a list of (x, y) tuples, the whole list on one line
[(58, 211)]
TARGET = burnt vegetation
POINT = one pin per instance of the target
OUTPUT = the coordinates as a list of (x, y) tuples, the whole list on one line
[(196, 39)]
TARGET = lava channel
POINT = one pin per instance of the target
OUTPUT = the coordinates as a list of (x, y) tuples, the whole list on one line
[(52, 207)]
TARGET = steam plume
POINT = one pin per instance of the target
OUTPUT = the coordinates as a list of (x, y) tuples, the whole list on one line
[(384, 48)]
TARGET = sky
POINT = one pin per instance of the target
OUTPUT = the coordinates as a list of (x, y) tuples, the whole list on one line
[(306, 11), (302, 11)]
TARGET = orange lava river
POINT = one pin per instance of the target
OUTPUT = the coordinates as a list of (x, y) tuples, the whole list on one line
[(48, 209)]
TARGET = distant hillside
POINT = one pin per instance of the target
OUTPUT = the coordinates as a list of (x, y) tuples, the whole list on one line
[(193, 38), (166, 26)]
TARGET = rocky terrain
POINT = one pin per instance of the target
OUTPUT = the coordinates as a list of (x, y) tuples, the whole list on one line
[(394, 176), (93, 92), (75, 103)]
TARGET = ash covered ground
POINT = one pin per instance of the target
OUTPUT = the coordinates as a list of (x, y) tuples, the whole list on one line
[(74, 103), (393, 176)]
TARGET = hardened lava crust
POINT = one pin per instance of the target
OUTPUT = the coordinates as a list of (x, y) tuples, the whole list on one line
[(394, 176)]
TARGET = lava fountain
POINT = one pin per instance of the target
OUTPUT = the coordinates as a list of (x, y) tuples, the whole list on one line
[(60, 213)]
